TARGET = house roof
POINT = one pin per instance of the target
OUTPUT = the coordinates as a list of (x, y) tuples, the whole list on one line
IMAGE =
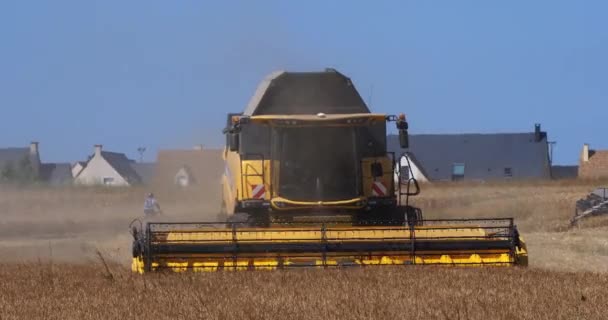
[(122, 165), (598, 155), (145, 171), (205, 166), (13, 155), (564, 172), (417, 163), (290, 93), (56, 173), (485, 155), (81, 163)]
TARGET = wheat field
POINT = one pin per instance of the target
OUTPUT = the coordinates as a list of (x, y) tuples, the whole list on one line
[(57, 291), (64, 254)]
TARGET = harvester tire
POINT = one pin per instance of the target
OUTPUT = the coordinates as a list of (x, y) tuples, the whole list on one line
[(382, 217), (414, 216)]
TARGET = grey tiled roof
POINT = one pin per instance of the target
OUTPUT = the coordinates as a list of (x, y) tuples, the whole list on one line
[(13, 155), (122, 165), (292, 93), (486, 156), (56, 173)]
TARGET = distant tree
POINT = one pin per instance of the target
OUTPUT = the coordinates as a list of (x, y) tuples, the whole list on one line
[(23, 172), (26, 172)]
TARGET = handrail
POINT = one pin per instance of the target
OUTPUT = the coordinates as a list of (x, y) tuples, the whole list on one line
[(411, 179)]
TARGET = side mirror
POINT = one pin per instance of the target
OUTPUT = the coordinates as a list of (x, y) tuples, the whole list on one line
[(402, 126), (404, 139), (377, 170), (235, 141)]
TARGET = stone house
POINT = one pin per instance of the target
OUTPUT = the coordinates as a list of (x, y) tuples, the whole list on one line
[(593, 163)]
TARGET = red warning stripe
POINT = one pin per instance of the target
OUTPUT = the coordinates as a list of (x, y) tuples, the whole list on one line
[(258, 191), (378, 189)]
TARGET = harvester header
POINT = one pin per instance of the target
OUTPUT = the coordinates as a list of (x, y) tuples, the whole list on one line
[(202, 247)]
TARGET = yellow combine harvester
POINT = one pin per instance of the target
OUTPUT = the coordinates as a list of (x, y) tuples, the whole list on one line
[(308, 182)]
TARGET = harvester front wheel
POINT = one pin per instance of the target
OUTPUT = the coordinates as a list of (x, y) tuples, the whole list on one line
[(413, 216)]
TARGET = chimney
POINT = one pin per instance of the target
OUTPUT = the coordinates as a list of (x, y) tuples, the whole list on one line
[(585, 155), (34, 148), (198, 147), (537, 133), (98, 150)]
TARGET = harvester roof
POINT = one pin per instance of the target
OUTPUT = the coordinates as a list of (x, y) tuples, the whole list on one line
[(354, 118), (300, 93)]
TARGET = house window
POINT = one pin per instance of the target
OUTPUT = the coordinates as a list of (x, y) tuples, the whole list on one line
[(108, 181), (183, 177), (404, 172), (182, 181), (508, 172), (458, 171)]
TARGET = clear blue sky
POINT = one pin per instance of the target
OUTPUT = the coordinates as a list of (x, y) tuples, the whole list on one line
[(163, 74)]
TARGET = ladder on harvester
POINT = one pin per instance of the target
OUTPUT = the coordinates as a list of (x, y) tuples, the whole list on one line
[(414, 215)]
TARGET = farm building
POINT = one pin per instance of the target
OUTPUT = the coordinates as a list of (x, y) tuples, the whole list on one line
[(479, 157), (16, 161), (564, 172), (593, 163), (24, 165), (108, 168), (189, 167), (56, 174)]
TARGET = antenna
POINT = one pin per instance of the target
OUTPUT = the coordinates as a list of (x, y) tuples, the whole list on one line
[(141, 151), (551, 147)]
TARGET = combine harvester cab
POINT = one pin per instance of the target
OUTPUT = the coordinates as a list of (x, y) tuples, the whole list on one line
[(309, 182)]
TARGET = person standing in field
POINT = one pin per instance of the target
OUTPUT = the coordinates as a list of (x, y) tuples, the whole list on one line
[(151, 206)]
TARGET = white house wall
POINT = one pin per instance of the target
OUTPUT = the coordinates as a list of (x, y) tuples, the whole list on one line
[(97, 170), (415, 170)]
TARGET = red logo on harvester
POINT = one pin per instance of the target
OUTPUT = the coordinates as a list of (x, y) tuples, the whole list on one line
[(258, 191), (379, 189)]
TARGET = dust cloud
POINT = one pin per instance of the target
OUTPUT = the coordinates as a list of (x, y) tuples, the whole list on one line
[(71, 224)]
